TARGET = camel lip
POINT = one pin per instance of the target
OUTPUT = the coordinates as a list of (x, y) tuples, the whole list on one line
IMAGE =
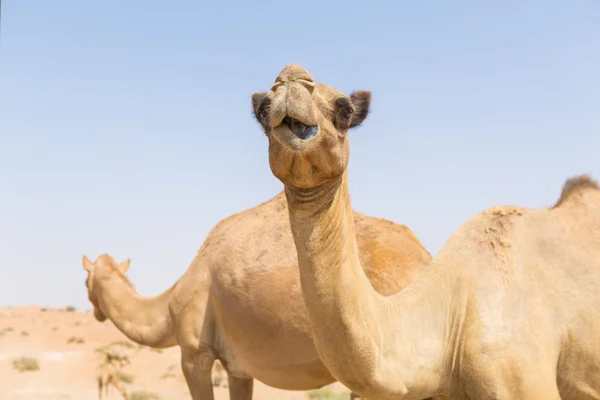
[(299, 129), (290, 139)]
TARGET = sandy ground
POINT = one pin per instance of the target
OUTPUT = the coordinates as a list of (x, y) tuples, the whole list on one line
[(64, 342)]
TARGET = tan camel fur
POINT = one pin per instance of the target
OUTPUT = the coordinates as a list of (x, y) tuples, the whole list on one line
[(240, 300), (508, 309)]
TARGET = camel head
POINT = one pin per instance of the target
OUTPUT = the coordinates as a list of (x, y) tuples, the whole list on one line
[(307, 126), (104, 267)]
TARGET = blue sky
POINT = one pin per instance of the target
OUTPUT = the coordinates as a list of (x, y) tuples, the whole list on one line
[(125, 127)]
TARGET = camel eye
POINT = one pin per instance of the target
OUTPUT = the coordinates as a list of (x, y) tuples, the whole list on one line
[(263, 114), (347, 112)]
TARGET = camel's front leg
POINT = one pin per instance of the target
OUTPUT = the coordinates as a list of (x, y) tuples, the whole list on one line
[(197, 367), (240, 388)]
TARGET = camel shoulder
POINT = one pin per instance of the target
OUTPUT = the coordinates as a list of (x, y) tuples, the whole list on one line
[(386, 231), (390, 253)]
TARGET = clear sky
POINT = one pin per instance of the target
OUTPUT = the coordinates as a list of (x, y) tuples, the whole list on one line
[(126, 126)]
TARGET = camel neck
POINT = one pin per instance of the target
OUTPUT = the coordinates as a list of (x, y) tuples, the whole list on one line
[(145, 320), (366, 340), (343, 306)]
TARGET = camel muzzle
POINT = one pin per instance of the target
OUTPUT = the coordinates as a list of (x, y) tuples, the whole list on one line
[(300, 130)]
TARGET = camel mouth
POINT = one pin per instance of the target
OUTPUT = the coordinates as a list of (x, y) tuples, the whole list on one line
[(299, 129)]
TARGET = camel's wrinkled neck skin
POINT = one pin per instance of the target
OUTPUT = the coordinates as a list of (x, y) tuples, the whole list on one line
[(331, 279), (349, 319), (145, 320)]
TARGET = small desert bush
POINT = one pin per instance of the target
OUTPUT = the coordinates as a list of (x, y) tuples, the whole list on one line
[(155, 350), (143, 395), (125, 343), (24, 333), (23, 364), (70, 309), (123, 377), (5, 330), (170, 372), (43, 309), (76, 340), (327, 394)]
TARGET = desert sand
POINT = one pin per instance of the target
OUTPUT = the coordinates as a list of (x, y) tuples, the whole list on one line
[(64, 343)]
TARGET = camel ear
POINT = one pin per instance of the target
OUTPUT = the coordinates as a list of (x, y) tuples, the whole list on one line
[(124, 266), (259, 107), (361, 100), (87, 264)]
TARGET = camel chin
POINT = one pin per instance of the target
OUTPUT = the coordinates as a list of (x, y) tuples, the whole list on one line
[(99, 315)]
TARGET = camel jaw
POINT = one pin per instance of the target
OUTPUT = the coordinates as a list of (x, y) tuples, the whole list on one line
[(295, 135)]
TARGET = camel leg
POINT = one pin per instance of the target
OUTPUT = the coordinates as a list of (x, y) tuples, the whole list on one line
[(240, 388), (197, 368)]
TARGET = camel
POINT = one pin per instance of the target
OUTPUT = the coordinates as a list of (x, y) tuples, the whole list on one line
[(508, 309), (240, 302)]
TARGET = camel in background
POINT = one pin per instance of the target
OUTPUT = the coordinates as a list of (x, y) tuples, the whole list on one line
[(240, 301)]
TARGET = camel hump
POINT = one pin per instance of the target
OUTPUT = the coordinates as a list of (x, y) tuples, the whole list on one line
[(574, 185)]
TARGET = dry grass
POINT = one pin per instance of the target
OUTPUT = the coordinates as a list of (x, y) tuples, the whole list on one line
[(24, 364), (76, 340), (125, 343), (4, 331), (70, 309), (124, 377), (328, 394), (143, 395), (170, 372)]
